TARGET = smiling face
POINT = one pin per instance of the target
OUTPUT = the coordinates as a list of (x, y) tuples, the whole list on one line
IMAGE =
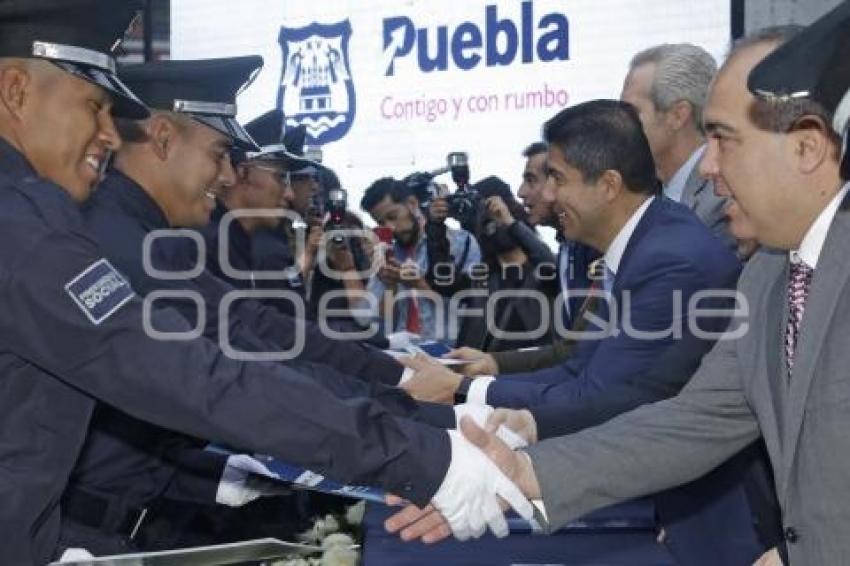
[(199, 166), (579, 205), (62, 124)]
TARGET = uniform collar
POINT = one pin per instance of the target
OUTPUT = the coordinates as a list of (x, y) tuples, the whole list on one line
[(54, 202), (813, 241), (615, 251), (13, 163), (131, 196)]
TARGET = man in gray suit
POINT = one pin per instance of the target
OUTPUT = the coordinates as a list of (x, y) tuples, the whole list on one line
[(668, 85), (785, 378)]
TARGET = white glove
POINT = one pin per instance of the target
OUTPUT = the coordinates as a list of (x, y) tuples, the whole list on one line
[(75, 555), (468, 496), (480, 414), (234, 490), (403, 340)]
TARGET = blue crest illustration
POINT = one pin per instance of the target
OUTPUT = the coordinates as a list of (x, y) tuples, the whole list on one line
[(316, 89)]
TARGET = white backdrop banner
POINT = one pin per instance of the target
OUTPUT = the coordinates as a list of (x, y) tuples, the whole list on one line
[(388, 87)]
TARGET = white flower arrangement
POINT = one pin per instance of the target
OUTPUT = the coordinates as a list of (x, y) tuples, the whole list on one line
[(338, 548)]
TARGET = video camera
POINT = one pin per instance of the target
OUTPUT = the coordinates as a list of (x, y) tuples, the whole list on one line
[(463, 203)]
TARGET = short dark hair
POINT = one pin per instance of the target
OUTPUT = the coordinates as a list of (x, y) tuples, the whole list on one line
[(401, 191), (603, 135), (493, 186), (536, 148), (376, 192)]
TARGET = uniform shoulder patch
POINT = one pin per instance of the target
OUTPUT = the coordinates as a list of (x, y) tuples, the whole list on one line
[(99, 291)]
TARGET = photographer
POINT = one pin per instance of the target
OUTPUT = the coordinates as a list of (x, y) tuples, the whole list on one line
[(407, 299), (512, 252), (339, 262)]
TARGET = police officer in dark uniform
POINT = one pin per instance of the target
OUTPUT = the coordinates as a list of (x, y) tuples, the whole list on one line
[(255, 245), (131, 473), (72, 332), (145, 193)]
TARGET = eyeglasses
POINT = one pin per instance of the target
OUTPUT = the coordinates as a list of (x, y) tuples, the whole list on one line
[(283, 176)]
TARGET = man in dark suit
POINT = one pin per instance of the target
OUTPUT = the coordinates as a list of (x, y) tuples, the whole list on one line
[(569, 279), (657, 255)]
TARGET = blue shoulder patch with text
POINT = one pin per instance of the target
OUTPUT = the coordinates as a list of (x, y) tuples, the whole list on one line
[(99, 291)]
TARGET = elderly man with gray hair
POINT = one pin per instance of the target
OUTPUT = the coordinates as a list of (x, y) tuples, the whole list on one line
[(668, 85)]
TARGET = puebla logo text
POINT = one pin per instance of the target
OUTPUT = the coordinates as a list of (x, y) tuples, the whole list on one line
[(467, 46)]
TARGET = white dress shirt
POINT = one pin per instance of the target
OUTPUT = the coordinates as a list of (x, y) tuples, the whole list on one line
[(676, 186), (815, 237)]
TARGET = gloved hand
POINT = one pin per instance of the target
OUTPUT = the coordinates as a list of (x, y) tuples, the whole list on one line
[(241, 482), (482, 415), (469, 497)]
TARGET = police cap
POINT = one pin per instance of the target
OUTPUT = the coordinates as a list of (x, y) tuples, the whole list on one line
[(78, 36), (205, 89), (267, 131), (293, 140), (813, 64)]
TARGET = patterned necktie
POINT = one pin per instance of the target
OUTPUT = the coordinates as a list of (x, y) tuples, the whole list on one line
[(798, 290)]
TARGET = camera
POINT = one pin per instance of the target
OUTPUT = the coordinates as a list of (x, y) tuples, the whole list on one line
[(463, 203), (336, 205), (458, 164)]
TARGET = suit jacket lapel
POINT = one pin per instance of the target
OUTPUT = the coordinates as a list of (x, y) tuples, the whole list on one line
[(830, 278), (646, 223), (771, 370)]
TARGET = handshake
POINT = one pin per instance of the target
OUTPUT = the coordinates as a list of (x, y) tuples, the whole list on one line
[(485, 477)]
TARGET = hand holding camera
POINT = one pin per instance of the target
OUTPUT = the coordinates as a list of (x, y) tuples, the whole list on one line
[(498, 211), (390, 273), (340, 257)]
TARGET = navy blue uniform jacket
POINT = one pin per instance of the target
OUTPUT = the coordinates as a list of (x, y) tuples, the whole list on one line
[(67, 341)]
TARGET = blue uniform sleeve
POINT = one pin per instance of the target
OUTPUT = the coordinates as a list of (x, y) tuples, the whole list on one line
[(70, 316), (254, 327)]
